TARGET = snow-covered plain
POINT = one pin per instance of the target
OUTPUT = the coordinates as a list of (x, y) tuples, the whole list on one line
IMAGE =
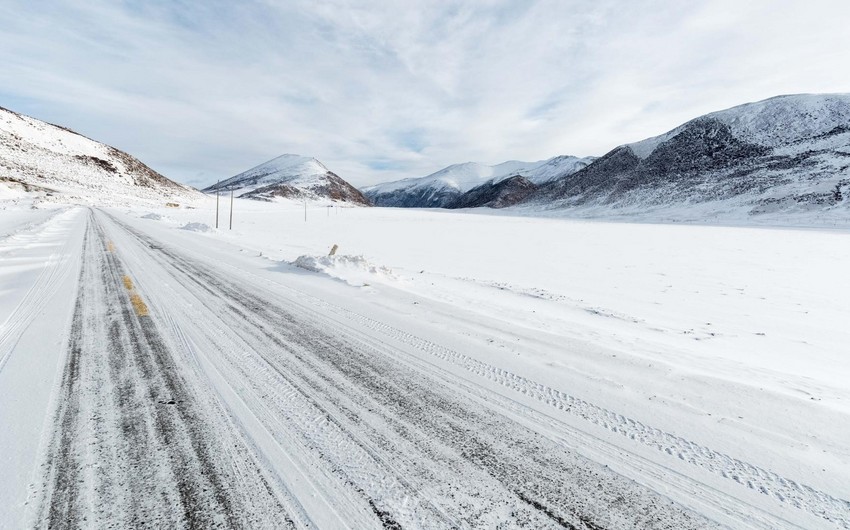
[(707, 363), (732, 337)]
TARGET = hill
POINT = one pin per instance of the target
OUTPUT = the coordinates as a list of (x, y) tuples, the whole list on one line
[(53, 163), (291, 177)]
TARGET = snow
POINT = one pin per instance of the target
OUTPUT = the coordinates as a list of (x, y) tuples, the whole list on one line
[(354, 270), (39, 264), (192, 227), (730, 336), (672, 352), (670, 280), (706, 363), (11, 191)]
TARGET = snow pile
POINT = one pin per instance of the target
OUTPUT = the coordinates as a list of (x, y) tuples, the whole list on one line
[(196, 227), (154, 216), (354, 270)]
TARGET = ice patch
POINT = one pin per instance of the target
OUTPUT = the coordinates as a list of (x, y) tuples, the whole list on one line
[(354, 270), (196, 227)]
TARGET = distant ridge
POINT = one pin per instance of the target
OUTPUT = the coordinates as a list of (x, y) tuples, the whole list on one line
[(443, 188)]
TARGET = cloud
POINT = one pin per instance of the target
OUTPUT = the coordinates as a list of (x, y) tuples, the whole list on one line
[(380, 90)]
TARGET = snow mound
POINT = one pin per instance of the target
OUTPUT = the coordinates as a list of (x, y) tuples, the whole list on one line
[(196, 227), (354, 270), (154, 216)]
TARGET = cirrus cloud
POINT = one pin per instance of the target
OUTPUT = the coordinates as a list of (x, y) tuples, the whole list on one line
[(382, 90)]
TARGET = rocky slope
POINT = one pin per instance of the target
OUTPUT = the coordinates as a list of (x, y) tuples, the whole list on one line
[(508, 192), (788, 153), (291, 177), (445, 187), (56, 164)]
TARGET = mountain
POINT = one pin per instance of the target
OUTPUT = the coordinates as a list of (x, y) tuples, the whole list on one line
[(292, 177), (445, 187), (788, 153), (56, 164), (501, 194)]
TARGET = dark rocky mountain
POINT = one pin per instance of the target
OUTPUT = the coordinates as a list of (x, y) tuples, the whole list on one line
[(508, 192), (780, 155), (291, 177), (788, 152), (414, 197)]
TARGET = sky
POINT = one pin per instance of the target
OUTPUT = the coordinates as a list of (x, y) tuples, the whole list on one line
[(383, 90)]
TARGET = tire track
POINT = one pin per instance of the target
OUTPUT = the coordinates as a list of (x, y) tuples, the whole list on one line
[(766, 482), (759, 480), (52, 274), (133, 445), (372, 395)]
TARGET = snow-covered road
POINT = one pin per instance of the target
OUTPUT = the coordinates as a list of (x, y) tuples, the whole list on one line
[(134, 443), (194, 387)]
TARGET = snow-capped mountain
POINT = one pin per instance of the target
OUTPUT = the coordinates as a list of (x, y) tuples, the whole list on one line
[(788, 153), (54, 163), (293, 177), (443, 188)]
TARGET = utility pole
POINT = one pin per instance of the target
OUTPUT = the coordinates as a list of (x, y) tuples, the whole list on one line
[(216, 202), (231, 209), (305, 211)]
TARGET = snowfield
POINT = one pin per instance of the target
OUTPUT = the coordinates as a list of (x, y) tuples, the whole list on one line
[(442, 369)]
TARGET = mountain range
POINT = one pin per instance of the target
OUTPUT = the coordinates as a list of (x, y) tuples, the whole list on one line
[(784, 153), (781, 155), (291, 177), (788, 153), (51, 162), (444, 188)]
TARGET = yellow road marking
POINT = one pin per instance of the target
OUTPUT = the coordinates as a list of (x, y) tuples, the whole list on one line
[(139, 305)]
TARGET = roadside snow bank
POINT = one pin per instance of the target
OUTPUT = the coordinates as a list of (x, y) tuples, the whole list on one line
[(154, 216), (196, 227), (354, 270)]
